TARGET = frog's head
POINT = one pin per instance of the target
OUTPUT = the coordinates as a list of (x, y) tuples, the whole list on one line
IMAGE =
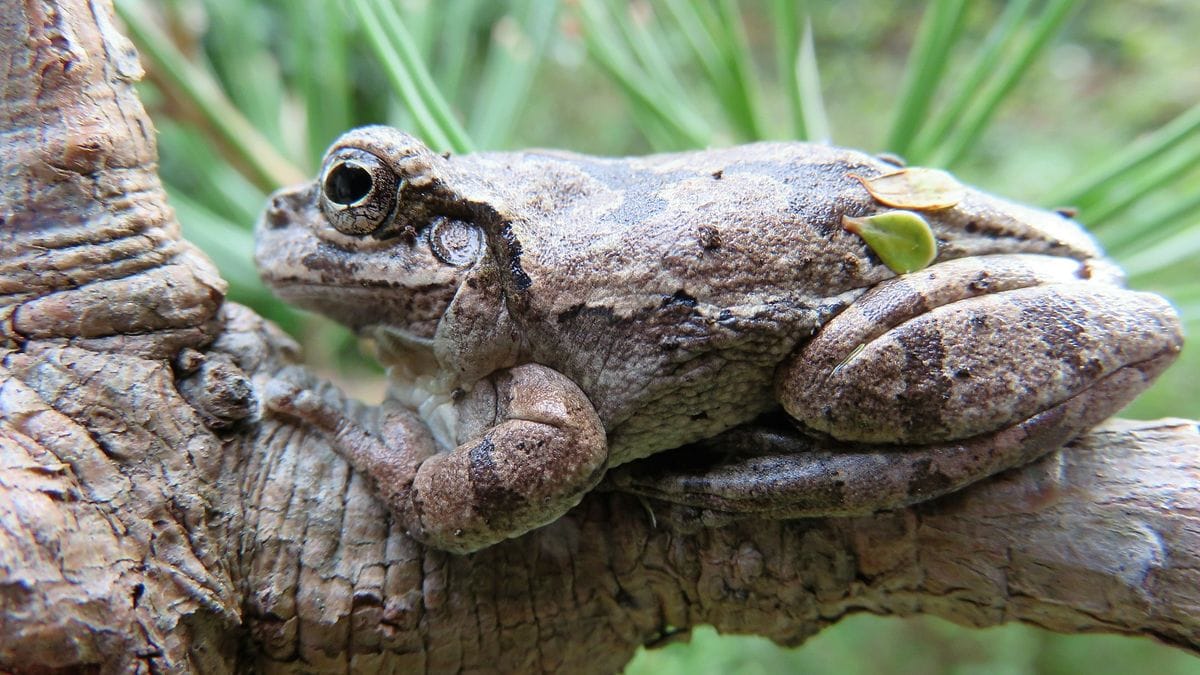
[(379, 239)]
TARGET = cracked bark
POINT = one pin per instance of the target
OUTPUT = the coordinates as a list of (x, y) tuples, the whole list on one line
[(134, 537)]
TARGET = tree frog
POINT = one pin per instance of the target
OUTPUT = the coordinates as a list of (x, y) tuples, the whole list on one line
[(547, 316)]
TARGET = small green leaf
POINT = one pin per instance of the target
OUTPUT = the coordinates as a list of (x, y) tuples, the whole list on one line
[(901, 239), (915, 188)]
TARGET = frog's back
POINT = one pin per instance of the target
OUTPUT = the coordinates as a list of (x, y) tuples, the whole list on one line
[(671, 286)]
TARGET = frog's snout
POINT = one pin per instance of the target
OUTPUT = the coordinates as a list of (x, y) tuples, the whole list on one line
[(284, 204)]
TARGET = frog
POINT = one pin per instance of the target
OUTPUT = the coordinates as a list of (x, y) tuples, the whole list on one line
[(547, 317)]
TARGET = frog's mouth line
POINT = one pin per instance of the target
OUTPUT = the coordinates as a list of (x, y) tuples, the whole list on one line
[(366, 309)]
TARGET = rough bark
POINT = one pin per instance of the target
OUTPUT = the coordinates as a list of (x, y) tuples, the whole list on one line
[(151, 520)]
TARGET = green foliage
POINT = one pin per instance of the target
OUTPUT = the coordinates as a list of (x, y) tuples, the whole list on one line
[(1036, 99)]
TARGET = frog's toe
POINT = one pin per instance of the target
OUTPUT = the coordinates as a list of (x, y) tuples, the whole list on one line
[(979, 364)]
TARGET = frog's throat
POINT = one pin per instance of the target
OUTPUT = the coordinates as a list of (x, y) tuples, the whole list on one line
[(402, 349), (417, 382)]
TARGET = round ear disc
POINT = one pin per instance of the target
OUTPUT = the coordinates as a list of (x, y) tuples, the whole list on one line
[(455, 242)]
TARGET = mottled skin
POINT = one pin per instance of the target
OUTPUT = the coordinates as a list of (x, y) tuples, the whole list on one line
[(550, 315)]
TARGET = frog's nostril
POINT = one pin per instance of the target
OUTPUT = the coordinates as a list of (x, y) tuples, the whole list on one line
[(277, 211), (347, 184)]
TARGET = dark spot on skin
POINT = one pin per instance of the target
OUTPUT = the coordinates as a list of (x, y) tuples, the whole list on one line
[(457, 395), (924, 392), (710, 237), (626, 600), (571, 312), (699, 416), (680, 297), (597, 315), (520, 279), (838, 194), (406, 234), (1084, 272), (971, 227), (1067, 211), (718, 174), (725, 317), (927, 481), (962, 374), (490, 491), (327, 259), (980, 283), (446, 155), (472, 283)]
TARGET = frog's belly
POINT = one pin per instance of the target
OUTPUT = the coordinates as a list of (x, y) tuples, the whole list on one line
[(679, 373), (699, 401)]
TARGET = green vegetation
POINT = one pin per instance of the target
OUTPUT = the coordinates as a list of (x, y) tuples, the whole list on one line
[(1059, 102)]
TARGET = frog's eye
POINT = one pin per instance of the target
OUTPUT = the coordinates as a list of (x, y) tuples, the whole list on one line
[(358, 191), (455, 242)]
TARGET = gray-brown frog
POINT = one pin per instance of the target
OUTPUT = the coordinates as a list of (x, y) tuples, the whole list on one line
[(547, 315)]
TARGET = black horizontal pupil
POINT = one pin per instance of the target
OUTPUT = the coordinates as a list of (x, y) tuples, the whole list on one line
[(347, 184)]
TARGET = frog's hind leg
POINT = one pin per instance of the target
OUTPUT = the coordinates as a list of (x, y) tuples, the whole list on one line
[(973, 346), (770, 469), (936, 379)]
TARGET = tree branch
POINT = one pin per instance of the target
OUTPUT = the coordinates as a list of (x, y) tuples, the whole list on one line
[(149, 519)]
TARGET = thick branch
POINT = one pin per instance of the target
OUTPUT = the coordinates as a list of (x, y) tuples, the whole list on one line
[(149, 520), (1103, 536)]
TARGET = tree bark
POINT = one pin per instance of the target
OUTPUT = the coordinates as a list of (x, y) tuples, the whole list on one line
[(152, 520)]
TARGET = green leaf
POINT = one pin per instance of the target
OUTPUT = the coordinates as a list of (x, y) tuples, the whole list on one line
[(987, 102), (915, 188), (1150, 225), (456, 50), (743, 102), (939, 32), (808, 81), (1168, 251), (678, 126), (901, 239), (1002, 36), (1089, 187), (519, 41), (718, 43), (402, 62), (196, 88), (231, 247), (320, 53), (1144, 181)]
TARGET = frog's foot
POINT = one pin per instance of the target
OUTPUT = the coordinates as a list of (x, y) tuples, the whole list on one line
[(539, 448)]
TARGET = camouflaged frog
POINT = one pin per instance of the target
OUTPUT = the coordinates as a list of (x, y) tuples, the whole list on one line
[(547, 316)]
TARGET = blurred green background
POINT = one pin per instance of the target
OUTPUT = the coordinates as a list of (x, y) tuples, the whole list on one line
[(1094, 105)]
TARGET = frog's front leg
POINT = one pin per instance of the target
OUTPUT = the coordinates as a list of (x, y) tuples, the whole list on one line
[(534, 447), (936, 379)]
